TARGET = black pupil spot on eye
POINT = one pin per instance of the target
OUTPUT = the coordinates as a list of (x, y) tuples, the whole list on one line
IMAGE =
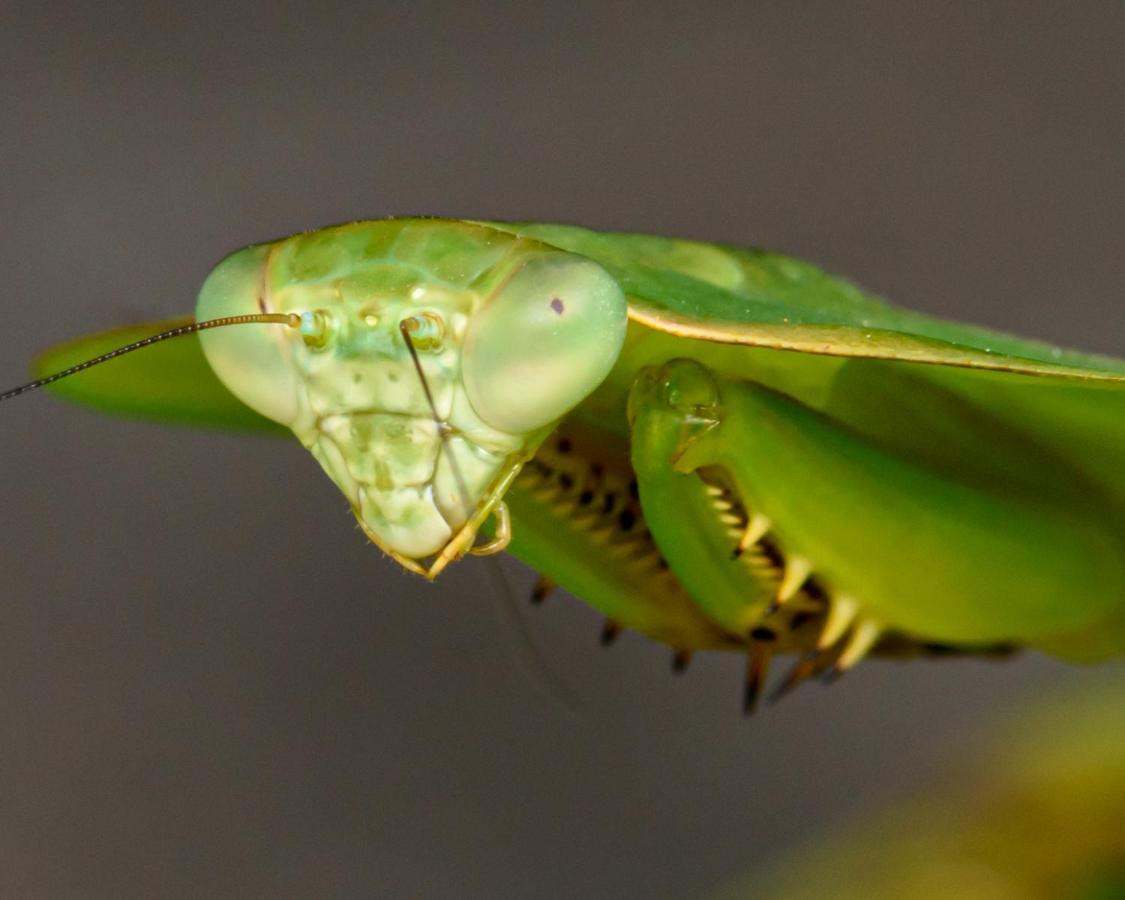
[(557, 305)]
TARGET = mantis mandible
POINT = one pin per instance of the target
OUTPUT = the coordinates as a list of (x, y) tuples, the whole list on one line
[(716, 447)]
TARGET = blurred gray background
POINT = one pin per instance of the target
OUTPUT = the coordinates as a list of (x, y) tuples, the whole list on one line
[(211, 686)]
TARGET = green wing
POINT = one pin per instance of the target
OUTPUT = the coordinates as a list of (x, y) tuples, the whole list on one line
[(757, 298)]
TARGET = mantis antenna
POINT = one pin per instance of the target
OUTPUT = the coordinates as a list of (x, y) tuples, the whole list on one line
[(290, 319)]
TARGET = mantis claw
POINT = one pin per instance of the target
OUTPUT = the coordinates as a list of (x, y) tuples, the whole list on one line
[(610, 632), (797, 572), (544, 586), (503, 534), (861, 639), (757, 668), (756, 529)]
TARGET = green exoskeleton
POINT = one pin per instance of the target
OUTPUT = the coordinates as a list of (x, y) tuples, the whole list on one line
[(716, 447)]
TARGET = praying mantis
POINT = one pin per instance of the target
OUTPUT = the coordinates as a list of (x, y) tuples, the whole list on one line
[(720, 448)]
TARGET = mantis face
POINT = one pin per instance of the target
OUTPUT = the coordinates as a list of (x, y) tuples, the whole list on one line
[(421, 393)]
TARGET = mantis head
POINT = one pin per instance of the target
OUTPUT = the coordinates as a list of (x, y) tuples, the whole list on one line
[(420, 383)]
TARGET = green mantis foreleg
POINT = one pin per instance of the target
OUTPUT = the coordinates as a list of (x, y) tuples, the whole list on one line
[(703, 528), (836, 502)]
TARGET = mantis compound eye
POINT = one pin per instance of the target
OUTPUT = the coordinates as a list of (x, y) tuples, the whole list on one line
[(254, 363), (543, 341)]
